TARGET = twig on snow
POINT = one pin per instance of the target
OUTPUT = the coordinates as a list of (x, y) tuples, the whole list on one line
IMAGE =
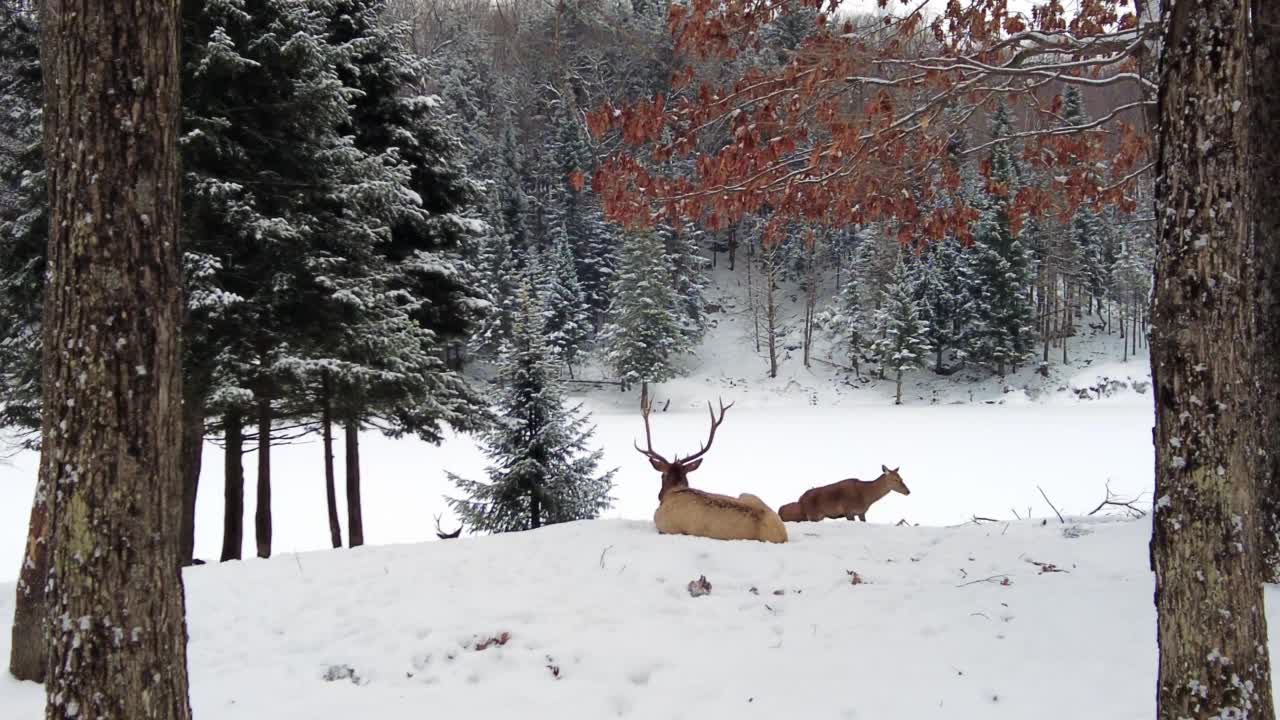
[(1113, 500), (1055, 509), (602, 552), (1004, 580)]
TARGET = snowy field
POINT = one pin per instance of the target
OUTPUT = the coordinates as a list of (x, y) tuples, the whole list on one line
[(958, 460), (593, 620)]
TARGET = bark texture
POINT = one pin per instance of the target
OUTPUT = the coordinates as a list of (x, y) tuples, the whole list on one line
[(112, 391), (1212, 631), (27, 651), (1264, 113)]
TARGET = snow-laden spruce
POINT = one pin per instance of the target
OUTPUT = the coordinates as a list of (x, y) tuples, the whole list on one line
[(643, 334), (543, 469), (901, 335)]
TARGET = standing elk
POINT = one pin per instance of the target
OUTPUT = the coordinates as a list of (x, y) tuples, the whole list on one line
[(685, 511), (849, 498)]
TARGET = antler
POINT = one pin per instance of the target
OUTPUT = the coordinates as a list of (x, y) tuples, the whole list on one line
[(444, 535), (715, 423), (645, 406)]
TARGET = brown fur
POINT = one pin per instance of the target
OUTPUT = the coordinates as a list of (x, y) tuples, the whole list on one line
[(792, 512), (684, 511), (850, 498)]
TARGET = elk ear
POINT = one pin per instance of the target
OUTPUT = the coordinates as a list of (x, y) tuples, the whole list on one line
[(658, 465), (884, 468), (897, 468), (693, 465)]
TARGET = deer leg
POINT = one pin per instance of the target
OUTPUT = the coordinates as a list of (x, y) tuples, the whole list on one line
[(862, 517)]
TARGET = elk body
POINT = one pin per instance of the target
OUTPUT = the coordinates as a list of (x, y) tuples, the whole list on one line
[(685, 511), (849, 498)]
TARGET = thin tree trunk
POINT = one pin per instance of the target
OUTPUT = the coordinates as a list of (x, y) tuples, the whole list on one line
[(28, 650), (811, 296), (262, 515), (355, 516), (771, 313), (192, 457), (1066, 323), (897, 398), (1211, 626), (755, 307), (330, 486), (233, 491), (111, 425)]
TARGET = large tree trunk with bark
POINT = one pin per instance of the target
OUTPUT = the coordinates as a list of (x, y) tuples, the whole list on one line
[(192, 455), (262, 514), (27, 651), (111, 425), (1211, 627), (355, 512), (1264, 112), (330, 485), (233, 493)]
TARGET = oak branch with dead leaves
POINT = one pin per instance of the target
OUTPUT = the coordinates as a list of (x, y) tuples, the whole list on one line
[(860, 122)]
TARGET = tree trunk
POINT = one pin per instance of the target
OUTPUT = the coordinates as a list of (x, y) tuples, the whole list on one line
[(810, 296), (330, 486), (1264, 112), (1211, 628), (897, 398), (192, 456), (111, 425), (28, 650), (262, 515), (233, 494), (355, 517), (771, 312)]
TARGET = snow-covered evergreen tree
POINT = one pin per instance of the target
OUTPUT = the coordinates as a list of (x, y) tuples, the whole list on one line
[(944, 287), (901, 334), (23, 213), (1087, 234), (574, 210), (846, 319), (688, 270), (567, 324), (643, 335), (999, 262), (543, 470)]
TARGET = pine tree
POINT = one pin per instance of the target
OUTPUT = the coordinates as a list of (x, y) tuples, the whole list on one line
[(542, 470), (999, 261), (689, 277), (567, 324), (23, 218), (901, 335), (574, 210), (944, 288), (846, 319), (642, 335), (1087, 233)]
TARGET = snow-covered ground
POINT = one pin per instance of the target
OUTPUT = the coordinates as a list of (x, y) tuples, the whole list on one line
[(600, 622), (594, 620)]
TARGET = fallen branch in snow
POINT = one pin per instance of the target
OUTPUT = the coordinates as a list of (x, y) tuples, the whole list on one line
[(500, 639), (1004, 580), (1055, 509), (1115, 501), (978, 520), (1046, 567), (602, 552), (441, 534)]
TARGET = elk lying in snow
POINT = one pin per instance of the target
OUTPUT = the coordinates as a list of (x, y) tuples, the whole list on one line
[(685, 511), (849, 498)]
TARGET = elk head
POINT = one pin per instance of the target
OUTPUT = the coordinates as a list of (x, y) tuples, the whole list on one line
[(675, 473), (894, 480)]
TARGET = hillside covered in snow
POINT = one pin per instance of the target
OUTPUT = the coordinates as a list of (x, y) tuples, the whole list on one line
[(595, 619)]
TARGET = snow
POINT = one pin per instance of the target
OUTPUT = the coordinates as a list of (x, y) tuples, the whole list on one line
[(600, 623)]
